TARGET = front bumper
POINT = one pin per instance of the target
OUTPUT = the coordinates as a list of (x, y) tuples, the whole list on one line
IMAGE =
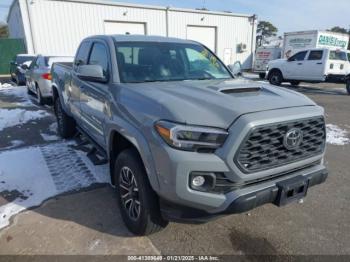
[(243, 199)]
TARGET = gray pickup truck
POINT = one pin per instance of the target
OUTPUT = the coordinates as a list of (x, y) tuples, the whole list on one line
[(185, 140)]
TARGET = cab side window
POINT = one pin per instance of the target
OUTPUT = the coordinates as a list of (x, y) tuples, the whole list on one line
[(298, 56), (82, 54), (34, 63), (99, 56), (316, 55)]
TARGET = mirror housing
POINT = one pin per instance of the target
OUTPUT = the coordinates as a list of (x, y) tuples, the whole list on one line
[(92, 73), (236, 69)]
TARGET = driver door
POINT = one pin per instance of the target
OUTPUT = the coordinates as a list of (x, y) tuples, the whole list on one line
[(295, 66)]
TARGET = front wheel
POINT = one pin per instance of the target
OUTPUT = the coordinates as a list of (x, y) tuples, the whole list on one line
[(139, 204), (275, 78), (348, 86), (65, 124)]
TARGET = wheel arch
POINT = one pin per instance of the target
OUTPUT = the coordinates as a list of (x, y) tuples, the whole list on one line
[(274, 70), (118, 141)]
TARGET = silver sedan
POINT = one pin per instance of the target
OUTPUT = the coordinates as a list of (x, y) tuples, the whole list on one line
[(38, 77)]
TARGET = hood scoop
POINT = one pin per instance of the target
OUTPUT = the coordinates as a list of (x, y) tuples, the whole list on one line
[(240, 90)]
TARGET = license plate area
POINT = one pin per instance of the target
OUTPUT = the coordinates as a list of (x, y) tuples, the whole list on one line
[(291, 190)]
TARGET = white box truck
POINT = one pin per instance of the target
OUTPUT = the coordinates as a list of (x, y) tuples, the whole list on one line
[(298, 41), (263, 56)]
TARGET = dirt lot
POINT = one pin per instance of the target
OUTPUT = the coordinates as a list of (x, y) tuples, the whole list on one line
[(86, 220)]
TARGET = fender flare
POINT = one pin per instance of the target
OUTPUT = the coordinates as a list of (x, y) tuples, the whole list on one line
[(138, 140)]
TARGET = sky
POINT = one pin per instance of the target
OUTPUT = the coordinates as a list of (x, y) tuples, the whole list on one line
[(286, 15)]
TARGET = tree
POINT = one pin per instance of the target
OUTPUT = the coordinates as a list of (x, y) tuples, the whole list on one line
[(339, 29), (3, 30), (266, 29)]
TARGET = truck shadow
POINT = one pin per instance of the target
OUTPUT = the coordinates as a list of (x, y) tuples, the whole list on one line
[(95, 208), (310, 90)]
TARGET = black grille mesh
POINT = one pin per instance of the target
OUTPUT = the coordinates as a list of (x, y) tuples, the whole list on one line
[(263, 148)]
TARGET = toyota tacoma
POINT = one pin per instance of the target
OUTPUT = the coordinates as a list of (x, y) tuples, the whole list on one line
[(185, 140)]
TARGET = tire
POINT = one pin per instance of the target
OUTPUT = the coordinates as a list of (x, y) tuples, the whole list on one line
[(41, 99), (138, 203), (29, 92), (17, 82), (66, 126), (294, 83), (276, 78), (262, 75), (348, 86)]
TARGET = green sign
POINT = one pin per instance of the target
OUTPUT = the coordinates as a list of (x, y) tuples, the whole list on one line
[(332, 41), (8, 49)]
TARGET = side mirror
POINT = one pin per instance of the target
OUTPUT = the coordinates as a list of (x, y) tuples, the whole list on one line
[(13, 63), (25, 67), (93, 73), (236, 69)]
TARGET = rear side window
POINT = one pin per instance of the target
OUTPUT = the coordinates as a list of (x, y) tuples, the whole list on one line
[(338, 55), (316, 55), (99, 56), (298, 56), (83, 53), (23, 59)]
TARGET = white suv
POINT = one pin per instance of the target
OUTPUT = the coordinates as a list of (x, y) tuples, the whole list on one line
[(312, 65)]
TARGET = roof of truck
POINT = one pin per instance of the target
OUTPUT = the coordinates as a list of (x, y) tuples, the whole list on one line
[(142, 38)]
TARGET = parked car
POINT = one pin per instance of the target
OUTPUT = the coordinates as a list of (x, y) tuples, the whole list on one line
[(312, 65), (38, 76), (16, 71), (185, 140)]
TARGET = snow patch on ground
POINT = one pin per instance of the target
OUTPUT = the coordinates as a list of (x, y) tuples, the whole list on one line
[(13, 117), (336, 135), (18, 92), (14, 143), (53, 127), (5, 85), (41, 173), (49, 138)]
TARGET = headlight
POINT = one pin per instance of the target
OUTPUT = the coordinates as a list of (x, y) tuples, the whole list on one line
[(191, 138)]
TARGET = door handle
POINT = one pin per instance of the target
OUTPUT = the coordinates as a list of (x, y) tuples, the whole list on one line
[(300, 63), (320, 63), (82, 87)]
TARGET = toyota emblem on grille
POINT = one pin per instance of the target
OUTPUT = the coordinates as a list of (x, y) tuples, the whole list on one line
[(293, 138)]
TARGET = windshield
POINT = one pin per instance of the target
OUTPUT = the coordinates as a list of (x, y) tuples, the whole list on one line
[(151, 62), (338, 55)]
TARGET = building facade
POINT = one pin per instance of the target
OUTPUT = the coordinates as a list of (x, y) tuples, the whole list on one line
[(56, 27)]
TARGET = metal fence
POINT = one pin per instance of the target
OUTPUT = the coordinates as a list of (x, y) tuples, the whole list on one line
[(9, 48)]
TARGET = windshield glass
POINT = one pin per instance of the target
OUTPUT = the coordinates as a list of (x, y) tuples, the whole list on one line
[(151, 62), (338, 55)]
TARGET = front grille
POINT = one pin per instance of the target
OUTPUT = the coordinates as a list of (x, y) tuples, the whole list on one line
[(263, 148)]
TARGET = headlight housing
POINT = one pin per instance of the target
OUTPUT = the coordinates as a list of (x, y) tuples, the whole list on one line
[(191, 138)]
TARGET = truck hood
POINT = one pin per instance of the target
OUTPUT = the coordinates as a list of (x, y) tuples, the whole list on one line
[(277, 61), (216, 103)]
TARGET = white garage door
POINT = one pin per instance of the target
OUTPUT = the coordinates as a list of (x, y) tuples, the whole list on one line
[(204, 35), (122, 28)]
